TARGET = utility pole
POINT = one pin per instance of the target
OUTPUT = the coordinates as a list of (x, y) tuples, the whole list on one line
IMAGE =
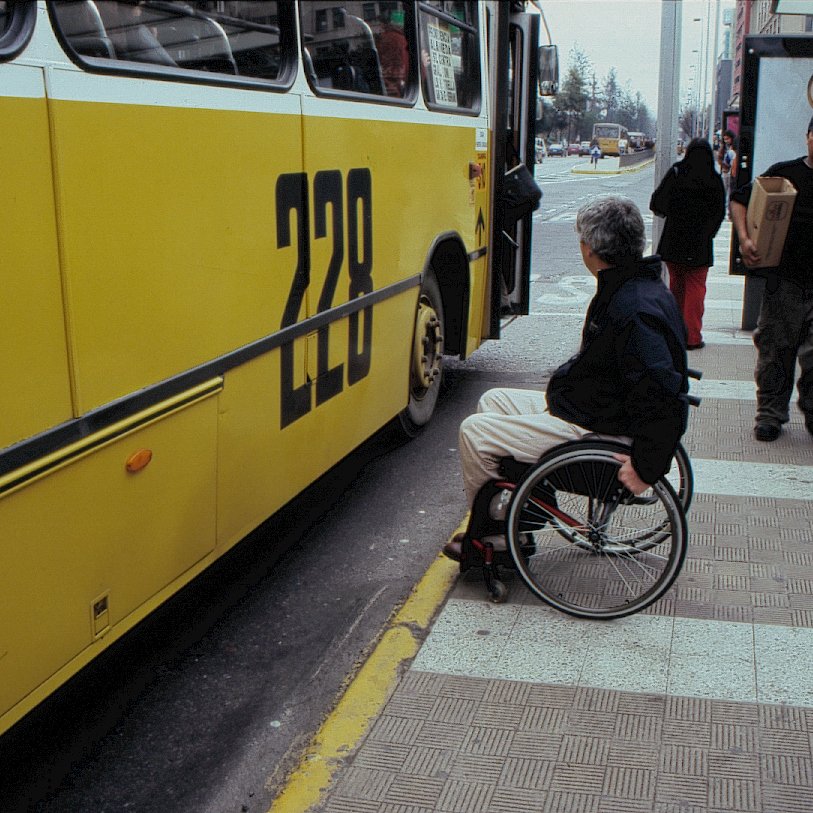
[(707, 65), (668, 76), (715, 64)]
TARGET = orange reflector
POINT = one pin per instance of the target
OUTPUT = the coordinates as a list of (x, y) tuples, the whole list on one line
[(138, 460)]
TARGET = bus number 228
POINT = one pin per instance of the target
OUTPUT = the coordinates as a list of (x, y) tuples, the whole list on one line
[(353, 199)]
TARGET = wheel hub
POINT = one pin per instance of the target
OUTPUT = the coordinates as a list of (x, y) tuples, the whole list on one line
[(427, 351)]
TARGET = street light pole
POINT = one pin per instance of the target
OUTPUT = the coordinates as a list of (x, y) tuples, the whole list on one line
[(668, 76), (699, 125), (715, 64), (707, 66)]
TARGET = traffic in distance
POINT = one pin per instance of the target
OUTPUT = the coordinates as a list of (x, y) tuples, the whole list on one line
[(611, 139)]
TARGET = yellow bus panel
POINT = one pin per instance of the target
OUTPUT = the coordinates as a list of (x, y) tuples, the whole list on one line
[(67, 577), (262, 467), (168, 227), (33, 356)]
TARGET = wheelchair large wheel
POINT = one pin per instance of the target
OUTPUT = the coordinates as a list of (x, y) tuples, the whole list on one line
[(681, 477), (598, 552)]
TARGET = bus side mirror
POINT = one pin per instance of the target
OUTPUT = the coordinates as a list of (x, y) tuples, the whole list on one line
[(548, 70)]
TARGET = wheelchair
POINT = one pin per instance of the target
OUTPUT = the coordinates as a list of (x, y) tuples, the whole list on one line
[(580, 541)]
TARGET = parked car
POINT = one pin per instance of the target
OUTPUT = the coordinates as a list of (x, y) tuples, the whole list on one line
[(555, 149), (584, 148), (572, 149)]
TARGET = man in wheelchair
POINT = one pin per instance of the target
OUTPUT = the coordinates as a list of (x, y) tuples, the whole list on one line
[(628, 380)]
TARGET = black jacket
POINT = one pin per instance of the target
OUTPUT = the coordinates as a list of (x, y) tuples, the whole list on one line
[(693, 204), (629, 377), (795, 263)]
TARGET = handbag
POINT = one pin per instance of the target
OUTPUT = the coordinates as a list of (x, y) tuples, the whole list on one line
[(521, 193)]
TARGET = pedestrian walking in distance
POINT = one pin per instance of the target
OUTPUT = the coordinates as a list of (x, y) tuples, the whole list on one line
[(691, 197)]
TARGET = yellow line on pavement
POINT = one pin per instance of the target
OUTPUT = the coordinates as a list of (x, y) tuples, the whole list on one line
[(367, 692)]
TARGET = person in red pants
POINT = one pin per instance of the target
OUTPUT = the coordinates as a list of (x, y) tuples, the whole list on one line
[(691, 197)]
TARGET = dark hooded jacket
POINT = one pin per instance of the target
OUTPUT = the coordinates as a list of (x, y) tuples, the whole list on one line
[(691, 197), (629, 377)]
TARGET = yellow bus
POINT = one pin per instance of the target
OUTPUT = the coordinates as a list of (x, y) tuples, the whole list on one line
[(240, 237), (612, 139)]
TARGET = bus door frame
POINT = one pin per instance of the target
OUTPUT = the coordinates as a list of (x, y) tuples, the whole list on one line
[(516, 38)]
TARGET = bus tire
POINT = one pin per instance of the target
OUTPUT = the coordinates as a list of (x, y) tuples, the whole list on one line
[(426, 359)]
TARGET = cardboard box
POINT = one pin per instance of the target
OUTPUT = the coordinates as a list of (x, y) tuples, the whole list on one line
[(768, 217)]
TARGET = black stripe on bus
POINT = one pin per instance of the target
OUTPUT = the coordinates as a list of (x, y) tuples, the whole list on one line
[(52, 440), (477, 253), (101, 440)]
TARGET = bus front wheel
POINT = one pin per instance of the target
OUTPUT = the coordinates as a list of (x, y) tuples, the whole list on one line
[(426, 362)]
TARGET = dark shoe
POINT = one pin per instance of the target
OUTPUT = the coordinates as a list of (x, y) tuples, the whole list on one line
[(766, 432), (454, 549), (809, 425), (698, 346)]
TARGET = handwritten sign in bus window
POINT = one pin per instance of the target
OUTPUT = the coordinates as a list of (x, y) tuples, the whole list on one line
[(440, 56)]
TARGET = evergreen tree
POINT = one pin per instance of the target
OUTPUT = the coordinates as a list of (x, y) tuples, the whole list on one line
[(611, 95), (574, 93)]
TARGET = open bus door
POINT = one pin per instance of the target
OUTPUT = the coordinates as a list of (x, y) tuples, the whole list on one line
[(524, 69)]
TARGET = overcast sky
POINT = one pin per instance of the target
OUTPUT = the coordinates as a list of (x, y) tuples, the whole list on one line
[(626, 34)]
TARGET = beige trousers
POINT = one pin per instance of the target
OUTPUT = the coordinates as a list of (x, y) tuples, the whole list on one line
[(508, 423)]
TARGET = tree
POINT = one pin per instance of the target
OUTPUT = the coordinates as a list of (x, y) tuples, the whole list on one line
[(687, 120), (627, 109), (611, 95), (573, 95)]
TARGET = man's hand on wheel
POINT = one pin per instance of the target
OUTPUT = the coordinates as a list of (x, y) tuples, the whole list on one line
[(628, 476)]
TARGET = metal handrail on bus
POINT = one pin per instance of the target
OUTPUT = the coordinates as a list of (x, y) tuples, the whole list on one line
[(446, 17)]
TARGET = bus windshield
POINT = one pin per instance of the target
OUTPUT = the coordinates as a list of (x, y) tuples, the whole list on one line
[(606, 130)]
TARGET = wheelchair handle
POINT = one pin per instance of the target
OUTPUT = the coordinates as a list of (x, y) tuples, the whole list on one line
[(693, 400)]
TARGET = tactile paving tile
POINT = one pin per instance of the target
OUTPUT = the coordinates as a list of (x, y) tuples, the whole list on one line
[(647, 752)]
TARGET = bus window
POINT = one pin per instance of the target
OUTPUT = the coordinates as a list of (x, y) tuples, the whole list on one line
[(450, 60), (16, 25), (358, 47), (235, 38)]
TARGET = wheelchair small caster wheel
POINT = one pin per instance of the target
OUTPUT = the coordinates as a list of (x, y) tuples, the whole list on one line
[(498, 592)]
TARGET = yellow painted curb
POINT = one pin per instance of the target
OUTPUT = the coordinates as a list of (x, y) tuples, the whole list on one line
[(367, 693)]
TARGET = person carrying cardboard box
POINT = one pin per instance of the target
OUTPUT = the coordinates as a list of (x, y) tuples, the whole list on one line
[(785, 325)]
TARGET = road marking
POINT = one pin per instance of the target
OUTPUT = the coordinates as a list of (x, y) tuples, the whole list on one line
[(710, 388), (738, 479), (724, 660)]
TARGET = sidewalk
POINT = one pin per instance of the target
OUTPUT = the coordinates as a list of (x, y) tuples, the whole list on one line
[(702, 704), (608, 165)]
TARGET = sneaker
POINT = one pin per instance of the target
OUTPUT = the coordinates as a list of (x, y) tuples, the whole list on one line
[(699, 346), (766, 432)]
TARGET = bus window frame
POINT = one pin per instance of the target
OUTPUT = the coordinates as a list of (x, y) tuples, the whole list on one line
[(409, 100), (474, 31), (146, 70), (22, 18)]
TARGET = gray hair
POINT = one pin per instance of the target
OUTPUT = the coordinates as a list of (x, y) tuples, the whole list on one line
[(613, 228)]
